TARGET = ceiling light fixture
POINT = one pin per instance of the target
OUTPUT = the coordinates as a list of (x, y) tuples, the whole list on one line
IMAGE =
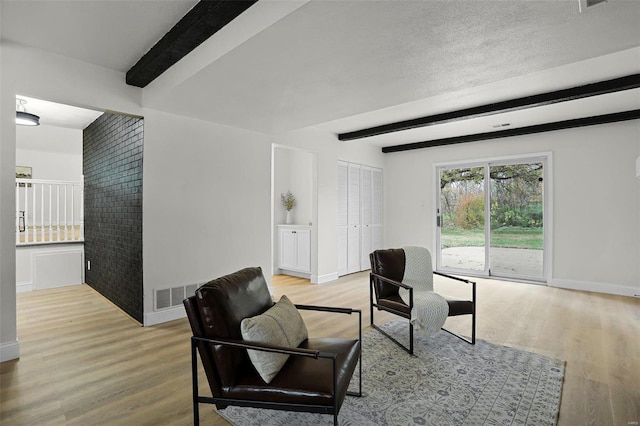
[(23, 117)]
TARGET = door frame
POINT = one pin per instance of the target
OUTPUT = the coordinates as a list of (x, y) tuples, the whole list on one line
[(547, 158)]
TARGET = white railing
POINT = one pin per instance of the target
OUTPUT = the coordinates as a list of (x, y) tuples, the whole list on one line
[(49, 211)]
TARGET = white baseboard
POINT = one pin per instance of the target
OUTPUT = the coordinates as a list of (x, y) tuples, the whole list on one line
[(622, 290), (24, 287), (166, 315), (295, 274), (9, 351), (321, 279)]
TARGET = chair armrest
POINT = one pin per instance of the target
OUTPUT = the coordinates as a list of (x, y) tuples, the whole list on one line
[(473, 283), (390, 281), (337, 310), (265, 348), (453, 277), (348, 311)]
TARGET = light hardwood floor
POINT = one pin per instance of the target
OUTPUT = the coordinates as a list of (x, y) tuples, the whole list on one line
[(84, 362)]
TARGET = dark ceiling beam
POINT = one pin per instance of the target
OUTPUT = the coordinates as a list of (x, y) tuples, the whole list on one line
[(594, 89), (205, 19), (538, 128)]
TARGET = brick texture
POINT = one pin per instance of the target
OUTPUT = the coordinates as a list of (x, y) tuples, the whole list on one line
[(112, 166)]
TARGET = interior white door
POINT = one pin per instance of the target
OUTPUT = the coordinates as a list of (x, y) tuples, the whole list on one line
[(376, 209), (343, 216), (353, 217), (365, 216), (359, 216)]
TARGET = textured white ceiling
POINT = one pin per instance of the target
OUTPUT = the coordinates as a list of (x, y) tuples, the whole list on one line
[(329, 60), (342, 64), (110, 33)]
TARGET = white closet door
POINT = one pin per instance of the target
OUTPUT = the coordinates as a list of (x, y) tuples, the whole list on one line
[(353, 234), (343, 194), (343, 217), (376, 197), (354, 195), (359, 216), (343, 245), (376, 209), (376, 237), (365, 196), (353, 249), (365, 216)]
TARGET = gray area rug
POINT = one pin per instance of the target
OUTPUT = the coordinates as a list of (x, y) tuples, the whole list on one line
[(447, 382)]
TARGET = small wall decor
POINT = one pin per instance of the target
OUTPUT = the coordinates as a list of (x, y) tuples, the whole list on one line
[(23, 172)]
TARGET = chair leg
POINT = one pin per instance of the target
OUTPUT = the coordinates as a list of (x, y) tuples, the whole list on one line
[(194, 378), (410, 338), (371, 300), (473, 327), (388, 336)]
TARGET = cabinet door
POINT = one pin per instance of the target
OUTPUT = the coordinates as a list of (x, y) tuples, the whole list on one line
[(303, 252), (288, 251)]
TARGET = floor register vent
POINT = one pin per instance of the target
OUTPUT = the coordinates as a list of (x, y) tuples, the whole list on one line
[(170, 297)]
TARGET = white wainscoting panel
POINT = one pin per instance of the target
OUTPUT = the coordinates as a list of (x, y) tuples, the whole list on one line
[(57, 269)]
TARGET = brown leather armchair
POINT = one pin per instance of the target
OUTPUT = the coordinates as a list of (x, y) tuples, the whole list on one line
[(315, 378), (387, 272)]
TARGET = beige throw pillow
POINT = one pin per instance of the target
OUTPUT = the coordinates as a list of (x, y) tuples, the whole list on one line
[(281, 325)]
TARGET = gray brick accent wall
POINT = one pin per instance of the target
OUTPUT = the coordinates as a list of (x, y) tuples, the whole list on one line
[(112, 166)]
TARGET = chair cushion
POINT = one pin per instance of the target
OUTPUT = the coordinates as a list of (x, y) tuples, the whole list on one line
[(460, 307), (281, 325), (304, 380), (396, 303)]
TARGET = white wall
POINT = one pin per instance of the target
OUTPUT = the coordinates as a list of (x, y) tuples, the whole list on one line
[(293, 172), (9, 347), (206, 204), (55, 78), (53, 153), (595, 200)]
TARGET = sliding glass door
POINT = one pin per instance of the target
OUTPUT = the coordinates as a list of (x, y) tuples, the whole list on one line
[(461, 219), (491, 219)]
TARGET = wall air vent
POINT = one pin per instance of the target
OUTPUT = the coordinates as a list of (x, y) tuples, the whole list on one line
[(171, 297), (163, 299)]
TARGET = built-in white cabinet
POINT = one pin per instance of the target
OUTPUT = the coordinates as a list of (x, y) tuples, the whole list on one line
[(294, 242), (359, 216)]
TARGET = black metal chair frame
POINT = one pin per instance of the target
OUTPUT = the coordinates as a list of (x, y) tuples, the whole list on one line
[(308, 408), (373, 276)]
